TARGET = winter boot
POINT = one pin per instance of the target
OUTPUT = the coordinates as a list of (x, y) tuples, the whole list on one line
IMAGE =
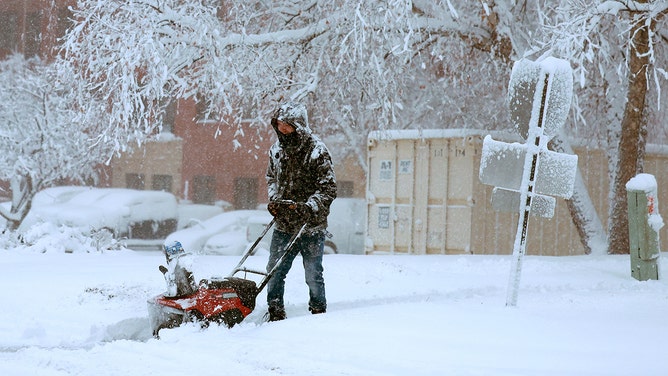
[(276, 313), (317, 311)]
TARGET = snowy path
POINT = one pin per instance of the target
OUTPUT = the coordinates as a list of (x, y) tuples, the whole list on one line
[(85, 314)]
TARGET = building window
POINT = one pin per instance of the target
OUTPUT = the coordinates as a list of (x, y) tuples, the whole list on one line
[(345, 188), (8, 31), (135, 181), (204, 189), (162, 183), (245, 193)]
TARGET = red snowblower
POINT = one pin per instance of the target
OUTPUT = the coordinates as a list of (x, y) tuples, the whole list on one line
[(225, 300)]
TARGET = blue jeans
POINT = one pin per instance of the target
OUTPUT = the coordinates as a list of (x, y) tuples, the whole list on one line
[(311, 247)]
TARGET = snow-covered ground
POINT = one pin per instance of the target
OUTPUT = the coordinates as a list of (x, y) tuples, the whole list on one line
[(85, 314)]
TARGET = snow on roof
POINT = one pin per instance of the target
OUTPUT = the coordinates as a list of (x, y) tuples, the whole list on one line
[(416, 134), (507, 136)]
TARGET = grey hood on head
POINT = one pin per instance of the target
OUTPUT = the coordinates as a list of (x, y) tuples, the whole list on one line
[(296, 115)]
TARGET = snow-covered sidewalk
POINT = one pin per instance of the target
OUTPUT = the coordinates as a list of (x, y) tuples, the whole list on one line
[(85, 314)]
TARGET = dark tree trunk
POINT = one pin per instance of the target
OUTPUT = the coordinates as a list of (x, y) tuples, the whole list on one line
[(631, 143), (22, 195)]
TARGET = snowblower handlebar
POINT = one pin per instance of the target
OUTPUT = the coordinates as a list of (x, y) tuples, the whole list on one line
[(287, 203)]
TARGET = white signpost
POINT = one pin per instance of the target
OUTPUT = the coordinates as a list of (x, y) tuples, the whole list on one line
[(527, 175)]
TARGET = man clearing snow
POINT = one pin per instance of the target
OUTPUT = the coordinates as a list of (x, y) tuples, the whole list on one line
[(301, 186)]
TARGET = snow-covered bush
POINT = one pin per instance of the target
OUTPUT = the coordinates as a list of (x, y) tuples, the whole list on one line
[(47, 237)]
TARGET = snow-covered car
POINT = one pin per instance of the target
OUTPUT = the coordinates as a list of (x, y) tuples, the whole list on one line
[(48, 196), (223, 234), (189, 213), (126, 213), (229, 243), (256, 225), (57, 195), (346, 223)]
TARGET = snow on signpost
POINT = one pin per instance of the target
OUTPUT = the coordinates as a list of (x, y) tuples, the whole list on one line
[(526, 175)]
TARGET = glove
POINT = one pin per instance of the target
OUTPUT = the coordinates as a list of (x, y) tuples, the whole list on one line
[(280, 208), (272, 207), (304, 210)]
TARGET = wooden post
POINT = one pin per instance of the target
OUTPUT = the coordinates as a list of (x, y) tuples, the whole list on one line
[(644, 224)]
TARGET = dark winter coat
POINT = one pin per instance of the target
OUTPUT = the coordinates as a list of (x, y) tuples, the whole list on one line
[(300, 169)]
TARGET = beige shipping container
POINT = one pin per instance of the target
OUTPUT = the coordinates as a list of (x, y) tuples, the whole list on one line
[(420, 186), (425, 197)]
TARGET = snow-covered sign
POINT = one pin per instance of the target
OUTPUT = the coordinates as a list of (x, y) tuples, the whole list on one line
[(502, 165), (507, 200), (526, 175), (552, 79)]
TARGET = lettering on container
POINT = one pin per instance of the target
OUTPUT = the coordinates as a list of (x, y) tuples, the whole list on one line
[(383, 217), (386, 170)]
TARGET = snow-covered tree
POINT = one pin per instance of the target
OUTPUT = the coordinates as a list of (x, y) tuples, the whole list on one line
[(360, 65), (43, 137), (620, 46)]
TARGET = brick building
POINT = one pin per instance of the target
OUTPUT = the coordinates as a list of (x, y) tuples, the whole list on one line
[(198, 161), (31, 27), (203, 162)]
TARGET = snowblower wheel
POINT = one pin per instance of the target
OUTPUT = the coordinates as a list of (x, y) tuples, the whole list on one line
[(230, 317), (198, 318)]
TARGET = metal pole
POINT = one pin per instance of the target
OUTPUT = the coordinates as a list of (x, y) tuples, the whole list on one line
[(526, 195)]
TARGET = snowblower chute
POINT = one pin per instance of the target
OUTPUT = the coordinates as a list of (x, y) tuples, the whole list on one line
[(225, 300)]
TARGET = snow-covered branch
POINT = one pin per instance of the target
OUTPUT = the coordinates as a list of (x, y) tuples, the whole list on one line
[(242, 57), (589, 31), (615, 6)]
